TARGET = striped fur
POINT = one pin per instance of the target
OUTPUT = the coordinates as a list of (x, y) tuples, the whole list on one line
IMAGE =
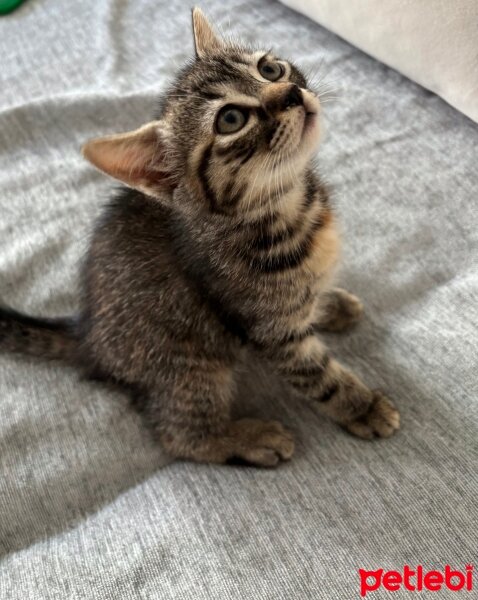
[(226, 243)]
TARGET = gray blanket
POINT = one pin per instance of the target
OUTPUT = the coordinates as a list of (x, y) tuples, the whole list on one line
[(89, 506)]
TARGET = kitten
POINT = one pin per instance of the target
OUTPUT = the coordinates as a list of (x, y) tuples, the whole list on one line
[(223, 242)]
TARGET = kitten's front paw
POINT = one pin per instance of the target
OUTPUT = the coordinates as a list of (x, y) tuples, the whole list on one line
[(260, 443), (382, 419), (343, 311)]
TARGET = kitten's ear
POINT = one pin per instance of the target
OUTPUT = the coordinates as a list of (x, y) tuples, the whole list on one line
[(205, 38), (137, 158)]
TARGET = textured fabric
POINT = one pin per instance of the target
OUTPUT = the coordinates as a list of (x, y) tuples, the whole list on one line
[(433, 43), (89, 506)]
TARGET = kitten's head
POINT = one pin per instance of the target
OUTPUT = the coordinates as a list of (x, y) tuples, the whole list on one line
[(236, 126)]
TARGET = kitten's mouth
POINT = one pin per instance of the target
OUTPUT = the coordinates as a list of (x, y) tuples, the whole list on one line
[(299, 128)]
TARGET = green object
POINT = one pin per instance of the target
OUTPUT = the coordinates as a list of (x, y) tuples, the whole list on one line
[(7, 6)]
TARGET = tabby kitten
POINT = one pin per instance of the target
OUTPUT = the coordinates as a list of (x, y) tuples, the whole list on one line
[(223, 242)]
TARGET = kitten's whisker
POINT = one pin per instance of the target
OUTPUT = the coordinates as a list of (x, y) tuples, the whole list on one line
[(327, 88), (313, 72), (325, 93), (264, 164), (186, 97), (321, 87), (269, 200), (328, 100), (266, 168)]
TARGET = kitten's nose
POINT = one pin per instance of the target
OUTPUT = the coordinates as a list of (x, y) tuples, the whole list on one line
[(280, 96), (293, 97)]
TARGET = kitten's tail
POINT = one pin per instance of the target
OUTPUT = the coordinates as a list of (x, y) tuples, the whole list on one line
[(54, 339)]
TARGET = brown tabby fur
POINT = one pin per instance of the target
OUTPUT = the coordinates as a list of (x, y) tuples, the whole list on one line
[(227, 244)]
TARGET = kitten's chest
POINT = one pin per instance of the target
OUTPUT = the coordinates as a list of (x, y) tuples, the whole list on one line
[(324, 248), (300, 300), (290, 289)]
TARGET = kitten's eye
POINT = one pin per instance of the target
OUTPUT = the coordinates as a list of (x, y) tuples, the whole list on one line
[(270, 70), (230, 119)]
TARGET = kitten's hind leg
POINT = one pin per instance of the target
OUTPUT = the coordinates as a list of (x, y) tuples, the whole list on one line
[(340, 310), (194, 423)]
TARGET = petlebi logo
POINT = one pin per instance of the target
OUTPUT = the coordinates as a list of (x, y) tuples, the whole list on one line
[(416, 579)]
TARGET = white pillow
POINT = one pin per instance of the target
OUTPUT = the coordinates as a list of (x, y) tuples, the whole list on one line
[(433, 42)]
